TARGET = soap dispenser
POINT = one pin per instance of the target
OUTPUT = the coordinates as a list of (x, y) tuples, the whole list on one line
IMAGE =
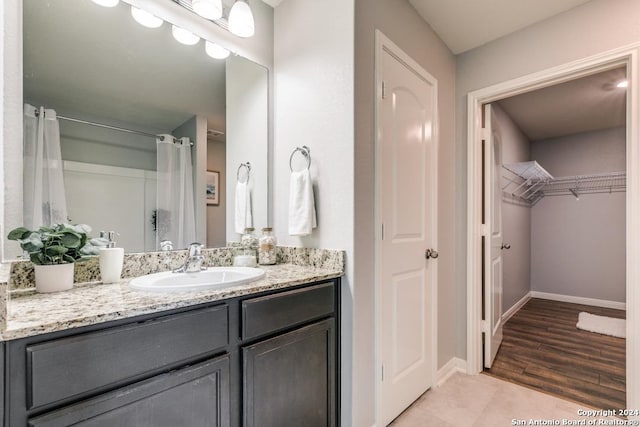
[(111, 259)]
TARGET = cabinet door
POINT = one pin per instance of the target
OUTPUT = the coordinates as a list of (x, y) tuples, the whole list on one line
[(290, 380), (195, 396)]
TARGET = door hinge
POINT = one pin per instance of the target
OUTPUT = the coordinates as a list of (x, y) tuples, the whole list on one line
[(484, 134), (382, 231), (384, 90), (382, 373), (484, 230)]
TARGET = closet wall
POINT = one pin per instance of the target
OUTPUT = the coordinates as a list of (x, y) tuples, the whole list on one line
[(516, 219), (578, 246)]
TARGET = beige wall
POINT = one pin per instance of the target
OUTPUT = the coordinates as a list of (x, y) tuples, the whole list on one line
[(578, 246), (592, 28), (402, 24), (516, 219), (216, 215)]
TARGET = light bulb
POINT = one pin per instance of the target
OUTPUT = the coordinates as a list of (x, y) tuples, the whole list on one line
[(106, 3), (241, 20), (145, 19), (184, 36), (623, 83), (210, 9), (215, 50)]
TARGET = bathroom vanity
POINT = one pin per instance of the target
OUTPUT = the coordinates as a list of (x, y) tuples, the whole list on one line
[(265, 354)]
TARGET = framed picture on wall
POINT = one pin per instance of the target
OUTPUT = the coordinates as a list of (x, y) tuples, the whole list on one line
[(213, 188)]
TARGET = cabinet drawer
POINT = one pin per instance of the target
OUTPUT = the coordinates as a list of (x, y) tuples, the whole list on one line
[(67, 367), (196, 396), (274, 312)]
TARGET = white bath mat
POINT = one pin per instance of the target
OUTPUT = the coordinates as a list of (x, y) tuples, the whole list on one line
[(602, 324)]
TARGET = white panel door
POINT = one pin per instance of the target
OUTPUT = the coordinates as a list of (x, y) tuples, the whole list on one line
[(407, 215), (493, 241)]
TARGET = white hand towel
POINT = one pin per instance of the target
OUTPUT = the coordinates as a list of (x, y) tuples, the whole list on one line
[(243, 215), (302, 209)]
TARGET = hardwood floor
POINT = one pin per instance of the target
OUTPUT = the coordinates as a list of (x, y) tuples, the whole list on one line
[(543, 349)]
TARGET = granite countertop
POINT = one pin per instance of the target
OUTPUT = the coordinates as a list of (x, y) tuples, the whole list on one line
[(96, 303)]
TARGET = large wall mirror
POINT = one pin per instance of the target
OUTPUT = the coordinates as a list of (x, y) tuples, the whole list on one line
[(114, 86)]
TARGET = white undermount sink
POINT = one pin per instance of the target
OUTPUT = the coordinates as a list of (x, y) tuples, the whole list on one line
[(209, 279)]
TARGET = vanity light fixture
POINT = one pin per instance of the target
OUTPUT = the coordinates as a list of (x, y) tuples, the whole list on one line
[(183, 36), (106, 3), (210, 9), (145, 18), (215, 50), (241, 21), (623, 83)]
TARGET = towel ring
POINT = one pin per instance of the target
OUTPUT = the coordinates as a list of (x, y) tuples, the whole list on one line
[(305, 151), (244, 165)]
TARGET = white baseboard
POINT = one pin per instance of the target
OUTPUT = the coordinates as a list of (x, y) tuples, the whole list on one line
[(517, 306), (454, 365), (580, 300)]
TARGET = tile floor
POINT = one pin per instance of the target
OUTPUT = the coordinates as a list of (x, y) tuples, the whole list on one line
[(484, 401)]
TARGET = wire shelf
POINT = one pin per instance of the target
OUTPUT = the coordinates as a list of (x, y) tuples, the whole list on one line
[(525, 181), (528, 182), (611, 182)]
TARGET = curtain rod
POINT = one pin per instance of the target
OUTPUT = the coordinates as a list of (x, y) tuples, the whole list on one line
[(137, 132)]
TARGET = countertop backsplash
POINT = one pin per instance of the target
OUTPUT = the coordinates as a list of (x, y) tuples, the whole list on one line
[(21, 278)]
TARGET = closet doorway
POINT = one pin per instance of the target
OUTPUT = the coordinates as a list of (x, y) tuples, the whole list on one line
[(560, 207), (546, 257)]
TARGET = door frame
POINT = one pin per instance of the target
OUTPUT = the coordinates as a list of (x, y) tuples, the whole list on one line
[(627, 56), (383, 43)]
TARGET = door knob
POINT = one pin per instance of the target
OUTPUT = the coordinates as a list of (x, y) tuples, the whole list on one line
[(431, 253), (505, 246)]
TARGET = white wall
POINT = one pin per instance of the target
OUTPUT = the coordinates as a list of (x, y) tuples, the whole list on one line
[(313, 97), (11, 134), (399, 21), (516, 219), (92, 144), (592, 28), (247, 138), (578, 246)]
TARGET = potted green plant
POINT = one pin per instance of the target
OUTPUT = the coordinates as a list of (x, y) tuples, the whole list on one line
[(54, 251)]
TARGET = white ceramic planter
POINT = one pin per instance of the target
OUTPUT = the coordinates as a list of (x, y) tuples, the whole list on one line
[(54, 278)]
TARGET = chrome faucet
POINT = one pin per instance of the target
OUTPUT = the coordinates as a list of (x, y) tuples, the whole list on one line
[(193, 263)]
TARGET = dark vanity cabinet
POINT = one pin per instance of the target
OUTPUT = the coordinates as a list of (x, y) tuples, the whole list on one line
[(268, 359), (290, 379)]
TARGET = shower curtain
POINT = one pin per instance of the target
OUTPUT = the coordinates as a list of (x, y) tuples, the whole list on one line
[(43, 191), (175, 214)]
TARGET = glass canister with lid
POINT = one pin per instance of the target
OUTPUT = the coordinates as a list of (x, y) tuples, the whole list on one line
[(248, 239), (267, 247)]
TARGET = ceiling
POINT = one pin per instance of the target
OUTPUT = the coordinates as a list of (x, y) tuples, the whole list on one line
[(586, 104), (465, 24), (272, 3)]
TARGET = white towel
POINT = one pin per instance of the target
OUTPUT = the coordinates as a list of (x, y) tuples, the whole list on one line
[(302, 209), (243, 215)]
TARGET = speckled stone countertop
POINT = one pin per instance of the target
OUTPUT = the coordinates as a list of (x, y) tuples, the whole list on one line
[(23, 312), (96, 303)]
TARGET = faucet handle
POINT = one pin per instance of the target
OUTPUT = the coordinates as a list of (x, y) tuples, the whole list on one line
[(166, 245), (195, 249)]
